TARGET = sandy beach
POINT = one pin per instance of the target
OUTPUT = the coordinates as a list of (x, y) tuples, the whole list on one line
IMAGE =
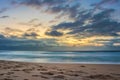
[(10, 70)]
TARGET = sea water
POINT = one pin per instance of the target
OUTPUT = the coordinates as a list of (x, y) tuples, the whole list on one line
[(85, 57)]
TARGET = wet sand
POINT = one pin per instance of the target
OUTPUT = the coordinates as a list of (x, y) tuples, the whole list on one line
[(10, 70)]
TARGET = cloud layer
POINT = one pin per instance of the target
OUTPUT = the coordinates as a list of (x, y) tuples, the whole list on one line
[(60, 23)]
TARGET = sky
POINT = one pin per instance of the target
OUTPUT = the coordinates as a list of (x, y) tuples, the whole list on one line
[(60, 25)]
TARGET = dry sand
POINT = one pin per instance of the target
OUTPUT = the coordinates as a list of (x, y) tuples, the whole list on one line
[(34, 71)]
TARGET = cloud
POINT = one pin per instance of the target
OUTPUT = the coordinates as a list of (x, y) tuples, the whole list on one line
[(68, 8), (65, 10), (10, 30), (63, 7), (52, 21), (52, 44), (30, 30), (37, 25), (116, 44), (85, 25), (110, 41), (3, 10), (54, 33), (33, 20), (30, 35), (39, 3), (100, 24), (100, 4), (32, 3), (2, 36), (27, 44), (3, 17), (89, 25)]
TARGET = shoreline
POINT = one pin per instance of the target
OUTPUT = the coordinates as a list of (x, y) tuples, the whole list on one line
[(12, 70), (67, 51), (97, 63)]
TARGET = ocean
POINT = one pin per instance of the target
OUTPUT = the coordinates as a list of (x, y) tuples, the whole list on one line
[(85, 57)]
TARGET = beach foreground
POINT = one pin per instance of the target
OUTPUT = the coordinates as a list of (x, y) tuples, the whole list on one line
[(47, 71)]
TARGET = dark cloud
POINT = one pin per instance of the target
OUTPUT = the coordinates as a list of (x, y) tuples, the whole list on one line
[(74, 10), (107, 42), (4, 17), (52, 2), (2, 36), (33, 3), (83, 16), (27, 44), (101, 24), (16, 33), (3, 10), (69, 8), (106, 14), (39, 3), (9, 30), (67, 25), (32, 35), (54, 33), (103, 2), (55, 9), (44, 44), (63, 7), (32, 30), (65, 10)]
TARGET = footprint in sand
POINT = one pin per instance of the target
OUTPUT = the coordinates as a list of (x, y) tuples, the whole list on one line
[(115, 74), (42, 76), (7, 79), (9, 73), (82, 66), (47, 73), (40, 66), (27, 70), (101, 77), (16, 70), (26, 79), (59, 76), (42, 69), (1, 74)]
